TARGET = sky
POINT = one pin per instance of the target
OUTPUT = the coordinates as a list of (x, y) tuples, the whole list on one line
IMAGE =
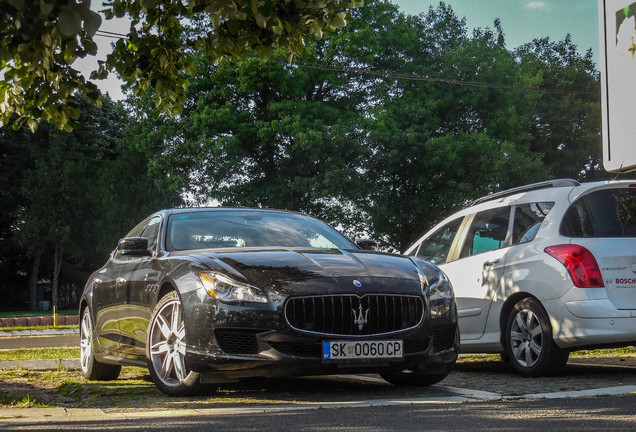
[(524, 20), (521, 20)]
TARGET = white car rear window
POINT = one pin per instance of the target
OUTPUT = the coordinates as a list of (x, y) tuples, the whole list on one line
[(604, 213)]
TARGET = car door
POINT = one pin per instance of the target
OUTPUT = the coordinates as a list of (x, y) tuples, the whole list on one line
[(137, 286), (106, 296), (103, 297), (476, 265)]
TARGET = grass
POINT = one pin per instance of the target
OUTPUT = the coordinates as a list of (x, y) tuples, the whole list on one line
[(18, 401), (21, 314), (467, 358), (47, 327), (614, 352), (134, 391), (39, 353), (600, 353)]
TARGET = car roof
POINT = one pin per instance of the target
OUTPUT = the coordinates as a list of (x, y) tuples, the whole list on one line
[(546, 191), (180, 210), (537, 192)]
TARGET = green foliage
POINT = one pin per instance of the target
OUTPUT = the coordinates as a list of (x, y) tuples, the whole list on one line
[(76, 192), (259, 134), (567, 126), (41, 39), (384, 156)]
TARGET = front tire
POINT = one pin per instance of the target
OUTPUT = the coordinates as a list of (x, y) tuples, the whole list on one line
[(166, 349), (91, 368), (529, 343)]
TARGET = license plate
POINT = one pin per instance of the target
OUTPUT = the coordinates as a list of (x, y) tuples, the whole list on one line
[(351, 350)]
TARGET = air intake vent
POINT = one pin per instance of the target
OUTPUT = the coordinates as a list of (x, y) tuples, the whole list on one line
[(443, 337), (237, 342)]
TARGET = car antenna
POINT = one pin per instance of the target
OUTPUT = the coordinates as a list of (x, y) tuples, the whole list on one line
[(619, 172)]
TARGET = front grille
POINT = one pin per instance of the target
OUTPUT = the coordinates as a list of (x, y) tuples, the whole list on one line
[(237, 342), (443, 337), (371, 314)]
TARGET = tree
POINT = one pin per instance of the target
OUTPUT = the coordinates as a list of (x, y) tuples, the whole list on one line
[(394, 148), (15, 158), (79, 192), (433, 146), (40, 40), (566, 130), (258, 134)]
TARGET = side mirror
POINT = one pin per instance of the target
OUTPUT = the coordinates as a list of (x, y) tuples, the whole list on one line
[(136, 246), (367, 244)]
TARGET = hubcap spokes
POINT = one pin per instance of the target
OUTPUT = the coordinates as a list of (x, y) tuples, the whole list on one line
[(526, 338), (86, 342), (167, 349)]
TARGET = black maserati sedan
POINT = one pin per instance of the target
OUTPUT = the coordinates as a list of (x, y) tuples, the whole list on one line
[(213, 295)]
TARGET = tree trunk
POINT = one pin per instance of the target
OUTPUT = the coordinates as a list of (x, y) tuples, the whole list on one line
[(33, 281), (57, 265)]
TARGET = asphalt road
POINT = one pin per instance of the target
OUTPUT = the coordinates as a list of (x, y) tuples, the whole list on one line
[(66, 340), (615, 413), (490, 408)]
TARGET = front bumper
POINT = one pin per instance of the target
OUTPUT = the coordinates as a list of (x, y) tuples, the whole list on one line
[(227, 343), (272, 355)]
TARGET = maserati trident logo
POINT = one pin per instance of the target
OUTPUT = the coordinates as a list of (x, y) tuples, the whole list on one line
[(360, 317)]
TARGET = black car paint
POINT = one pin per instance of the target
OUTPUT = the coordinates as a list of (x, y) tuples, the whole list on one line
[(125, 306)]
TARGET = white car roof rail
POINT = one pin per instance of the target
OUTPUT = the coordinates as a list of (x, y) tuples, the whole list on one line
[(534, 186)]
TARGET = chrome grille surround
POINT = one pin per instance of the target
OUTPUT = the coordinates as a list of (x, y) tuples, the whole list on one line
[(354, 315)]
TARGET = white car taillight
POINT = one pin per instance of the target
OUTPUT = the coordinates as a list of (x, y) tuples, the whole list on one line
[(580, 264)]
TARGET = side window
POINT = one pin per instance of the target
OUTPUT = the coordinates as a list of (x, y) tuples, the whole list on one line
[(528, 219), (151, 232), (487, 232), (437, 246)]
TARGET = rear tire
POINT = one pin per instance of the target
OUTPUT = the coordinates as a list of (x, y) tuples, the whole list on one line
[(529, 343), (91, 368), (166, 350)]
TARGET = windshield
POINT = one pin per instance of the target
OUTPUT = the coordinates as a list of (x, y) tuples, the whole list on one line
[(242, 228)]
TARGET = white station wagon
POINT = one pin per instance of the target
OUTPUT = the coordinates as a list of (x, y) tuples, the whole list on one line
[(542, 270)]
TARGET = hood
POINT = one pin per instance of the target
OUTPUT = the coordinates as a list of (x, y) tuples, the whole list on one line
[(264, 266)]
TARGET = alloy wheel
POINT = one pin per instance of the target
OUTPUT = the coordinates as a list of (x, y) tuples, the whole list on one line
[(86, 342), (526, 338), (167, 344)]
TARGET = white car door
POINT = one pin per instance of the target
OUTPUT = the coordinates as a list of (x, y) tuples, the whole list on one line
[(470, 250), (476, 268)]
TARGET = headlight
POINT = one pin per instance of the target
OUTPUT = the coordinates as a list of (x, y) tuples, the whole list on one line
[(228, 290), (442, 288)]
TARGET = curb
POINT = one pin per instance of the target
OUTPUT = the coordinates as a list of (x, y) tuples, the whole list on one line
[(42, 332), (42, 364), (39, 321)]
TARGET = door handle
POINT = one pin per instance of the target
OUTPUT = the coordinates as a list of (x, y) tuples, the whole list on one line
[(491, 263), (121, 280)]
